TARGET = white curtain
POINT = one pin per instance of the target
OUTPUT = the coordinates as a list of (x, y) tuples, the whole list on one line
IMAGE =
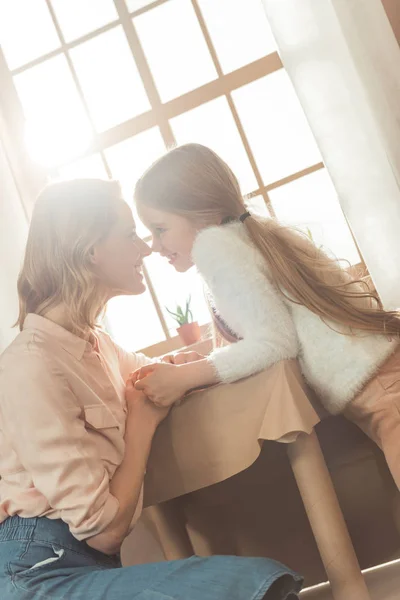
[(13, 230), (344, 63)]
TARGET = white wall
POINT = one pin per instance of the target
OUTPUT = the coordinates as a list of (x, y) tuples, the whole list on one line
[(13, 231)]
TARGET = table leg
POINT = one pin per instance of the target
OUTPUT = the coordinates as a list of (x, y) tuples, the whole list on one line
[(326, 519), (163, 520)]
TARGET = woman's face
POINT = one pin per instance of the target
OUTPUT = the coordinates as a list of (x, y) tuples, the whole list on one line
[(118, 259), (173, 236)]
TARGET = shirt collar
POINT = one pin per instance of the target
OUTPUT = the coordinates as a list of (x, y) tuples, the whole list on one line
[(72, 343)]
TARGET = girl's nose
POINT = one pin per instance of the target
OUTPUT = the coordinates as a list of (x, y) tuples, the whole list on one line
[(156, 245)]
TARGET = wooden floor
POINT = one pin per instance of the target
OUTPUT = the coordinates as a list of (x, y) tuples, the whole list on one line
[(383, 584), (383, 581)]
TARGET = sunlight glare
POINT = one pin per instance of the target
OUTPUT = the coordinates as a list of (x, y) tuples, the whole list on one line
[(53, 143), (56, 126)]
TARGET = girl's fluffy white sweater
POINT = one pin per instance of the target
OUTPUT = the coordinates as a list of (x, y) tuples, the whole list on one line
[(272, 328)]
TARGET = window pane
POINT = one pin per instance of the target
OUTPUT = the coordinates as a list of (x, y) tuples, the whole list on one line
[(57, 128), (239, 30), (311, 204), (133, 321), (212, 124), (175, 48), (26, 31), (92, 166), (129, 159), (276, 127), (257, 205), (93, 14), (174, 288), (110, 79)]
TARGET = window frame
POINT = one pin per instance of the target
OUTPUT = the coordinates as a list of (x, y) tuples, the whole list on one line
[(159, 115)]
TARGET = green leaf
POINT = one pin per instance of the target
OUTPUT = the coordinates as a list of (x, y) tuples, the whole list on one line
[(174, 315), (182, 317)]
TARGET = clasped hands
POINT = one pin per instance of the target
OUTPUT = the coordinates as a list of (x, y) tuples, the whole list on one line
[(165, 382)]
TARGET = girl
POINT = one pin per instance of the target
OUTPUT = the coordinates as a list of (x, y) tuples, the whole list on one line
[(73, 442), (273, 292)]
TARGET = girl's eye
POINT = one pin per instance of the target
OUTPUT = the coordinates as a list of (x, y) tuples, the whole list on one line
[(160, 230)]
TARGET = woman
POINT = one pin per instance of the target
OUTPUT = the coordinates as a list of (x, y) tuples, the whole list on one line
[(273, 292), (73, 442)]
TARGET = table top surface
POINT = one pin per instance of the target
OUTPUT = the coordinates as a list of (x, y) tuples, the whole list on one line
[(216, 433)]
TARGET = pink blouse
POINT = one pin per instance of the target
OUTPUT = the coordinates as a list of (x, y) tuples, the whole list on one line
[(62, 424)]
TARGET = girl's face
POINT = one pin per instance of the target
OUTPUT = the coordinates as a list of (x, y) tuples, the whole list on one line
[(173, 236), (118, 259)]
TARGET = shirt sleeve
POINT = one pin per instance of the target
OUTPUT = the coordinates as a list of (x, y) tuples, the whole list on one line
[(43, 420), (130, 361), (249, 303)]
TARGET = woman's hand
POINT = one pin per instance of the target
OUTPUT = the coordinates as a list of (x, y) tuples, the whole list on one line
[(141, 409), (164, 384), (181, 358)]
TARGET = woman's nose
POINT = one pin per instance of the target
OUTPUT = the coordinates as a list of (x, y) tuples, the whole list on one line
[(144, 248)]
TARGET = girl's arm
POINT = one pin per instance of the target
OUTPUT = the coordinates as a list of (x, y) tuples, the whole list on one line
[(164, 384), (251, 306)]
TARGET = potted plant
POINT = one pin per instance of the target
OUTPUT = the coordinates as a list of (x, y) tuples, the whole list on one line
[(188, 330)]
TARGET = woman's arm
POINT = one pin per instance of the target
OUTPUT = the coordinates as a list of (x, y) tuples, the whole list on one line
[(142, 421), (128, 361), (131, 361), (43, 420)]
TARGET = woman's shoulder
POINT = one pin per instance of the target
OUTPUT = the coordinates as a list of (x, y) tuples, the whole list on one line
[(28, 355)]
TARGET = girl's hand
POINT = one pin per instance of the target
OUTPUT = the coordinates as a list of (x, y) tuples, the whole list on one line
[(164, 384), (181, 358), (141, 409)]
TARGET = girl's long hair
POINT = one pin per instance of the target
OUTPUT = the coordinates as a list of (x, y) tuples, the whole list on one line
[(194, 182)]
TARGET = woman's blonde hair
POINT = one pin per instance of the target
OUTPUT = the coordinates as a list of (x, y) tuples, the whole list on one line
[(69, 218), (193, 182)]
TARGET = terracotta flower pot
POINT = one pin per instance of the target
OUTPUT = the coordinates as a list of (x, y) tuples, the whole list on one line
[(189, 333)]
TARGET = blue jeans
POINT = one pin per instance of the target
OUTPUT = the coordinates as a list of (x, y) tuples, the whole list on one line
[(40, 559)]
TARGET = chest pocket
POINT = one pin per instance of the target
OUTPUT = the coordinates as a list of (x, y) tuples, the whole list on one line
[(108, 432), (98, 416)]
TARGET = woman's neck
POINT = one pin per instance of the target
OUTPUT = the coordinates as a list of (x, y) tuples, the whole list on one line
[(59, 315)]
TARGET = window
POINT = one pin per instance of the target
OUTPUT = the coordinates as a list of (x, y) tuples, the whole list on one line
[(105, 94)]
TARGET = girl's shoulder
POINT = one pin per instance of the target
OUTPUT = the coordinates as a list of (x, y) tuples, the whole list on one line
[(217, 234), (224, 246)]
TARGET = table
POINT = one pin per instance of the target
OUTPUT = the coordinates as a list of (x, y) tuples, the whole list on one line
[(217, 433)]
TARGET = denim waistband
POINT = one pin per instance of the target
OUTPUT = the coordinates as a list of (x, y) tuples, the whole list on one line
[(42, 529)]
